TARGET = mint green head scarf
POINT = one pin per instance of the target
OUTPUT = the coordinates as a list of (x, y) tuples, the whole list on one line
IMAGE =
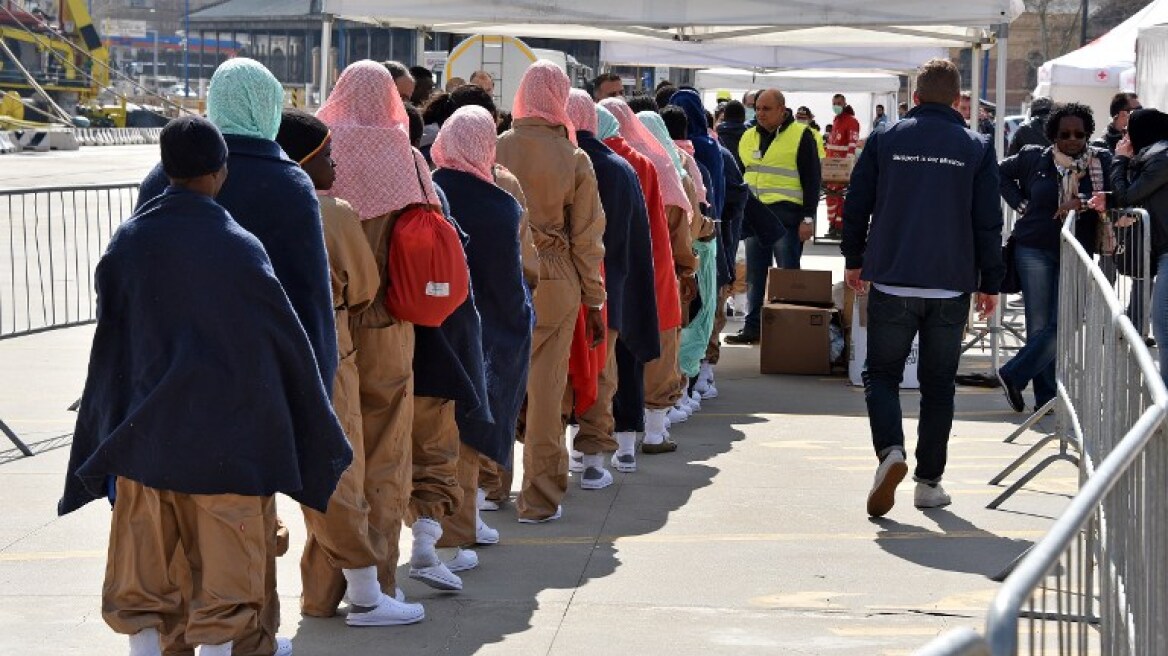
[(608, 125), (245, 99), (656, 125)]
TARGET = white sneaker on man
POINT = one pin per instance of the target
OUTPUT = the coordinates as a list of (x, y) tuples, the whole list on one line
[(930, 496), (483, 502), (625, 458), (463, 560), (543, 520), (575, 461), (889, 474), (387, 612), (679, 413), (694, 400), (485, 535), (283, 647)]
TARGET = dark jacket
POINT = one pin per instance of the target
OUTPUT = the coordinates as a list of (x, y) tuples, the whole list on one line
[(273, 199), (730, 133), (201, 379), (1142, 181), (491, 218), (730, 229), (706, 150), (1030, 133), (922, 208), (448, 360), (1031, 176), (1110, 139)]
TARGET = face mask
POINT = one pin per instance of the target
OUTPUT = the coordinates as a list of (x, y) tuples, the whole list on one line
[(749, 114), (837, 109)]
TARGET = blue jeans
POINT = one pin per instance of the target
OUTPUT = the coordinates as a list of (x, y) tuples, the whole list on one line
[(1160, 313), (1038, 271), (893, 322), (759, 258)]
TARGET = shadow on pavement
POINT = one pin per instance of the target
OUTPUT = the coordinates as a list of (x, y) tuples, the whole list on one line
[(959, 545)]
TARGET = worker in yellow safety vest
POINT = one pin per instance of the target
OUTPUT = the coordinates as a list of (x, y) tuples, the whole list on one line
[(781, 158)]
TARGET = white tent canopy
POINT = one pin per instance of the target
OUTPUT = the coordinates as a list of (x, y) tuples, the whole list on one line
[(1092, 74), (700, 55), (781, 22), (1150, 79), (818, 81)]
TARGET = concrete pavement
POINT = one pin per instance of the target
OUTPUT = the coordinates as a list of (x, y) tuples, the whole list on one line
[(752, 537)]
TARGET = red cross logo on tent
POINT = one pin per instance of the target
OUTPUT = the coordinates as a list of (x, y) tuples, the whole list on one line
[(1102, 75)]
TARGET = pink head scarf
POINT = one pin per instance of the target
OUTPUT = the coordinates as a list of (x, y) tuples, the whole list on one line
[(466, 143), (582, 111), (642, 140), (691, 167), (543, 93), (378, 171)]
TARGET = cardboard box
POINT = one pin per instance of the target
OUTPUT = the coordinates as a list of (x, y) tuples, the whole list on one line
[(858, 348), (796, 339), (799, 287), (837, 170)]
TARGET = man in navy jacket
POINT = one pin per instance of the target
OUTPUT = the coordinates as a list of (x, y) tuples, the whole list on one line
[(922, 227)]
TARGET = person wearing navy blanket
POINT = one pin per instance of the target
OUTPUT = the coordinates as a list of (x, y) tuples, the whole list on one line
[(923, 227), (203, 399)]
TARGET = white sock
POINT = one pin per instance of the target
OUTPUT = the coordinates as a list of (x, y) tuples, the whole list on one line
[(626, 442), (216, 650), (364, 590), (426, 534), (596, 461), (145, 643)]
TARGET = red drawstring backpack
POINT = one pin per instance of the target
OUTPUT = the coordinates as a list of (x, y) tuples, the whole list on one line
[(428, 273)]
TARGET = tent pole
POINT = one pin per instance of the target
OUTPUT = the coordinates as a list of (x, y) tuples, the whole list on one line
[(974, 84), (326, 45), (1003, 33)]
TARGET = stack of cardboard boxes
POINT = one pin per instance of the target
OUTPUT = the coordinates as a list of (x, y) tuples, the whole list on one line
[(796, 323)]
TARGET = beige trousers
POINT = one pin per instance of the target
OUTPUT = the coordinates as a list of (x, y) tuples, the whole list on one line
[(436, 493), (458, 527), (663, 376), (596, 424)]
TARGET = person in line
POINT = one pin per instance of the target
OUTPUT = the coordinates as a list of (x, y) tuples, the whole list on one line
[(731, 129), (494, 222), (706, 150), (841, 142), (662, 378), (339, 539), (423, 85), (631, 319), (483, 80), (660, 98), (923, 229), (568, 224), (1043, 185), (453, 83), (402, 79), (748, 101), (1121, 108), (880, 120), (1033, 131), (190, 453), (783, 171), (272, 198), (1139, 176), (381, 175), (607, 85), (631, 412)]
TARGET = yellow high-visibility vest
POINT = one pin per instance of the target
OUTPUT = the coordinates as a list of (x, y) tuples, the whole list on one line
[(773, 176)]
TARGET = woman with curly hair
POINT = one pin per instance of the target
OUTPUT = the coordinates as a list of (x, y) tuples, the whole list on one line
[(1044, 185)]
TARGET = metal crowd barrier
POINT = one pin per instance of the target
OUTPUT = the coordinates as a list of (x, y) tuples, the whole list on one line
[(1127, 273), (1097, 583), (53, 238)]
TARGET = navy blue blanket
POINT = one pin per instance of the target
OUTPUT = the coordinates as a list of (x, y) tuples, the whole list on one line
[(491, 219), (201, 378), (628, 250), (273, 199), (448, 360), (730, 230), (706, 150)]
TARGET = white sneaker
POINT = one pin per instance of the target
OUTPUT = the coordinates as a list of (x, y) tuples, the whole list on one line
[(575, 461), (283, 647), (888, 475), (705, 378), (595, 476), (655, 421), (710, 393), (677, 414), (551, 518), (626, 463), (483, 502), (485, 534), (927, 496), (437, 576), (463, 560), (695, 402), (387, 612)]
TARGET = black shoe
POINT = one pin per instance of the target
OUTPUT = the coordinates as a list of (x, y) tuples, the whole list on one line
[(1149, 342), (1013, 394), (742, 337)]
